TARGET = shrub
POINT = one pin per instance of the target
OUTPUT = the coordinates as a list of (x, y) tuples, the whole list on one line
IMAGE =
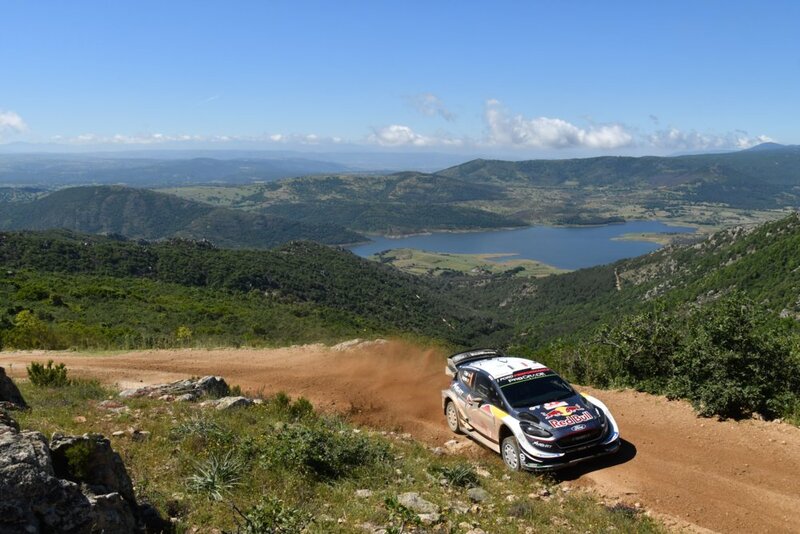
[(737, 360), (640, 349), (272, 516), (325, 452), (216, 475), (78, 457), (49, 375), (461, 475), (200, 426)]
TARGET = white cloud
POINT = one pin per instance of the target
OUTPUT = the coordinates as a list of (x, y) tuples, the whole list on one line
[(546, 132), (400, 135), (431, 105), (675, 139), (11, 122)]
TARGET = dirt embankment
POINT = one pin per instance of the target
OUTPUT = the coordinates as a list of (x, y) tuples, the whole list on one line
[(724, 476)]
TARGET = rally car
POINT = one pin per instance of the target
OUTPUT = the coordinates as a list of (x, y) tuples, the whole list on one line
[(525, 411)]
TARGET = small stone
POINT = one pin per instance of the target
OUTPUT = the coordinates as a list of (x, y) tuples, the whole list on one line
[(364, 493), (415, 503), (477, 494), (437, 451), (118, 433), (429, 519), (476, 530), (544, 492), (186, 397), (481, 472), (511, 498), (79, 419)]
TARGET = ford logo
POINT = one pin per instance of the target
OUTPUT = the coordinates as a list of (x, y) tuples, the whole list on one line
[(578, 427)]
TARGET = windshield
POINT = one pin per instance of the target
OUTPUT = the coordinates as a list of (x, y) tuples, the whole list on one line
[(535, 388)]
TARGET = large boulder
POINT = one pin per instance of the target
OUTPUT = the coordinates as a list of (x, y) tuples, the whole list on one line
[(89, 459), (9, 391), (32, 498), (75, 484), (186, 390)]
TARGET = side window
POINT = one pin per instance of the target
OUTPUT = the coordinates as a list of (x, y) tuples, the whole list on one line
[(484, 388), (467, 377)]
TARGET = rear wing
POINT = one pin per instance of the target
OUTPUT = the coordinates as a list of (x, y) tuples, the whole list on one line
[(457, 360)]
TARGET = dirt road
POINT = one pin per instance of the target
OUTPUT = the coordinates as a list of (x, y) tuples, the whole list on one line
[(723, 476)]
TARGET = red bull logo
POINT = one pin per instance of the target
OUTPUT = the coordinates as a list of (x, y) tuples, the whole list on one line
[(562, 411)]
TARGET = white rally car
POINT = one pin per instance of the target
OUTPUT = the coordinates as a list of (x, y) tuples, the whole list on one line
[(525, 411)]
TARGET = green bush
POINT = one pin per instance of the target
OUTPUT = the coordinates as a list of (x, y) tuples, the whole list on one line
[(273, 516), (639, 350), (736, 361), (49, 375), (324, 451)]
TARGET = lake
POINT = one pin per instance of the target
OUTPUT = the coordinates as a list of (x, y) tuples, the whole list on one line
[(564, 247)]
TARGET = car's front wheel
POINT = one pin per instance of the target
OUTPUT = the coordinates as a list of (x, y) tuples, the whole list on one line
[(510, 451), (451, 414)]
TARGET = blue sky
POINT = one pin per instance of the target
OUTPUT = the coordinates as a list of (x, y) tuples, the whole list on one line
[(530, 78)]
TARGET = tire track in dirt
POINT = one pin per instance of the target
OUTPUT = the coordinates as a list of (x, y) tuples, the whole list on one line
[(724, 476)]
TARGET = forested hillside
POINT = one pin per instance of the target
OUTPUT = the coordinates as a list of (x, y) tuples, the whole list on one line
[(120, 289), (144, 214)]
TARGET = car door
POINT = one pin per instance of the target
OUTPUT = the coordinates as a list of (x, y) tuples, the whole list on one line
[(479, 408), (463, 389)]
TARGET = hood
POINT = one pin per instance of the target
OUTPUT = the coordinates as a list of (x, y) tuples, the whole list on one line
[(562, 418)]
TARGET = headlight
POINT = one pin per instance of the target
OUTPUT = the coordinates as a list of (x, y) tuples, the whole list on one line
[(533, 430)]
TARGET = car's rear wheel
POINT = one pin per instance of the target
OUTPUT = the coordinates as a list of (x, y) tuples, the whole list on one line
[(451, 414), (509, 449)]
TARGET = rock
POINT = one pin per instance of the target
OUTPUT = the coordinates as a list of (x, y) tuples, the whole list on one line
[(7, 421), (481, 472), (476, 530), (91, 460), (363, 493), (79, 419), (9, 391), (208, 386), (32, 498), (186, 397), (118, 433), (227, 403), (111, 513), (415, 503), (429, 519), (477, 494)]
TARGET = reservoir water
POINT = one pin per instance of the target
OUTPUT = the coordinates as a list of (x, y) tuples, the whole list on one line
[(564, 247)]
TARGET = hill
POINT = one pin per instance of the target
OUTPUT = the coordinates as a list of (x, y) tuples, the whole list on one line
[(398, 203), (144, 214), (49, 170), (120, 292), (764, 178)]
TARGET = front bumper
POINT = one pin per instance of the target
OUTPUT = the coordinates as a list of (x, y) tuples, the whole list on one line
[(552, 462)]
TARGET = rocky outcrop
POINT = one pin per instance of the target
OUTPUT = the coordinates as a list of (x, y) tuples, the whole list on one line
[(74, 484), (32, 498), (186, 390), (9, 392)]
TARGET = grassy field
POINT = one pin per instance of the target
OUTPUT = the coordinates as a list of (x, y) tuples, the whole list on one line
[(287, 468), (422, 262)]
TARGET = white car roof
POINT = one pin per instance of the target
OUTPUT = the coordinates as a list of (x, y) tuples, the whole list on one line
[(506, 365)]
